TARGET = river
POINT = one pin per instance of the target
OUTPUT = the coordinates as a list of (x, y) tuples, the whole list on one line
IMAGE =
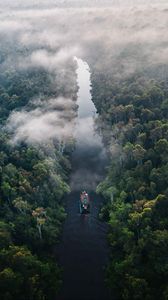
[(83, 251)]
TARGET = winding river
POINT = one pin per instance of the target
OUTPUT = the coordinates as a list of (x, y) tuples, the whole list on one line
[(83, 250)]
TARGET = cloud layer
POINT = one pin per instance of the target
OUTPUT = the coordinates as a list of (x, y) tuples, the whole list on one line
[(128, 37), (51, 119)]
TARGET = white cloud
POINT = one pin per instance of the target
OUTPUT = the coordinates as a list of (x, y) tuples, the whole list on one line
[(52, 119), (13, 26), (50, 61)]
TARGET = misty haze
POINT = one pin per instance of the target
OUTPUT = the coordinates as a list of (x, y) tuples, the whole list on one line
[(84, 150)]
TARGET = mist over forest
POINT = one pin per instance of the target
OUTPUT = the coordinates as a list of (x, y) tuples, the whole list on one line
[(127, 39), (125, 44)]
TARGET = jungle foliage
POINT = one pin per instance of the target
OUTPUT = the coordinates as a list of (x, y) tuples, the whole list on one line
[(33, 181), (134, 126)]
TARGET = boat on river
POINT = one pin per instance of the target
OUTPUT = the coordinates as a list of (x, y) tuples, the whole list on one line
[(84, 204)]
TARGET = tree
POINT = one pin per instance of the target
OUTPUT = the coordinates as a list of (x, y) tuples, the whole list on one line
[(40, 215), (5, 235), (139, 153), (21, 205), (161, 147)]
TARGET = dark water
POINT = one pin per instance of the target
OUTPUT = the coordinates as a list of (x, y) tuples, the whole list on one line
[(83, 251)]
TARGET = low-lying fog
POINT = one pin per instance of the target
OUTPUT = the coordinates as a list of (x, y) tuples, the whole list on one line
[(46, 35)]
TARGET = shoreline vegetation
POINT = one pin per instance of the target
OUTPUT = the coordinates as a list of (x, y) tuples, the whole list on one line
[(33, 180), (126, 49), (133, 122)]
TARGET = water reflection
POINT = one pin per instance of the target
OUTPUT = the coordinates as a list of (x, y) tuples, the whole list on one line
[(86, 106), (83, 251), (89, 156)]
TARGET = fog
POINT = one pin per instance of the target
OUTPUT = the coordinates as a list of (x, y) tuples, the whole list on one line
[(74, 3), (119, 37), (48, 120)]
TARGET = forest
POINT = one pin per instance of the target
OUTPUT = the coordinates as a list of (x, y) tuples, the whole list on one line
[(123, 47), (133, 121), (33, 180)]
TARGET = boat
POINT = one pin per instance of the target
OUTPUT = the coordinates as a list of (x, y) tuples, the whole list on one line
[(84, 203)]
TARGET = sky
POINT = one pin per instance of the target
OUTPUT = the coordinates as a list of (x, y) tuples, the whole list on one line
[(73, 3)]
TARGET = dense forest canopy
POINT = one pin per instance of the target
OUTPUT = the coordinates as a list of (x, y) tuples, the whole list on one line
[(127, 50), (38, 109), (130, 93)]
